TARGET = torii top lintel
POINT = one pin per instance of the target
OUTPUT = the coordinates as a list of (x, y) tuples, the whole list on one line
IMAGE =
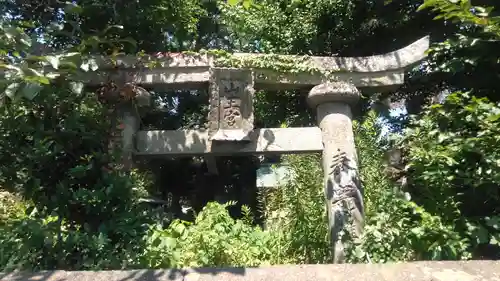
[(183, 70)]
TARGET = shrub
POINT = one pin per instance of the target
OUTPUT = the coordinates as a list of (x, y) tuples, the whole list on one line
[(213, 239), (295, 214), (396, 228), (451, 157), (85, 212)]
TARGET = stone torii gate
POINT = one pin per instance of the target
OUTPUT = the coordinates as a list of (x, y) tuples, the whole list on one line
[(335, 84)]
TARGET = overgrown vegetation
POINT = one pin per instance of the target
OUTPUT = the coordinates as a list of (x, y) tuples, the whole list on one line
[(66, 203)]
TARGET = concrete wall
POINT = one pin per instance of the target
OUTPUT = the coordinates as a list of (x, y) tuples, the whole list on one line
[(416, 271)]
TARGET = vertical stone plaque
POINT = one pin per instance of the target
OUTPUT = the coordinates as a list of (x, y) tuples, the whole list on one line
[(231, 104)]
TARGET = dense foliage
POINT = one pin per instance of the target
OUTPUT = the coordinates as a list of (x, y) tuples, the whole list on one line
[(66, 203), (83, 210), (452, 158)]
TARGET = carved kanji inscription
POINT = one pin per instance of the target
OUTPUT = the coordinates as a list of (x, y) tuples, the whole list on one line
[(231, 104)]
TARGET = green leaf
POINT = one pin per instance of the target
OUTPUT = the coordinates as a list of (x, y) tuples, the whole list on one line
[(72, 8), (11, 90), (493, 118), (423, 6), (11, 32), (179, 228), (79, 170), (53, 60), (55, 26), (90, 64), (493, 222), (247, 4), (93, 64), (42, 80), (31, 90), (71, 54), (85, 66), (482, 235), (494, 241), (167, 241), (69, 64), (107, 29), (25, 40), (76, 87), (34, 72)]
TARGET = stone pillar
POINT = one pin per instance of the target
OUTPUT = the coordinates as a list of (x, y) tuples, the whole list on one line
[(130, 125), (130, 122), (343, 191)]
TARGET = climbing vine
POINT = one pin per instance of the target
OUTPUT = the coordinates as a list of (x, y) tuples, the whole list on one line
[(288, 64), (279, 63)]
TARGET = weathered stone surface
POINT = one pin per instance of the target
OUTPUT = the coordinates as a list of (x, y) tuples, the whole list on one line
[(131, 124), (332, 92), (197, 142), (415, 271), (231, 104), (343, 191), (401, 58), (379, 72), (197, 78)]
